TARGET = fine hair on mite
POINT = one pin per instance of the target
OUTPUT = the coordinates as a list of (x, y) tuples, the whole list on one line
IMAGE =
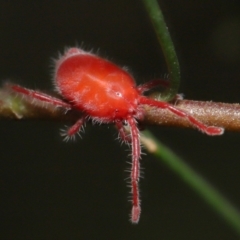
[(106, 93)]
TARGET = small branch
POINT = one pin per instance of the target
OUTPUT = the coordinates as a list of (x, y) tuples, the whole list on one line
[(14, 106), (207, 192), (155, 14), (224, 115)]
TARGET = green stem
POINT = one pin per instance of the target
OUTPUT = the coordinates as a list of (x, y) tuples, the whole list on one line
[(166, 43), (221, 205)]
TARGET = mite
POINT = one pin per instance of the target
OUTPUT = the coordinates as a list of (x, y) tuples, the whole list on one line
[(106, 93)]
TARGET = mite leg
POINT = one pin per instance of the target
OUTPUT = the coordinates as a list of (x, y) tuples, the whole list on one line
[(210, 130), (135, 170), (154, 83), (123, 134), (40, 96), (71, 132)]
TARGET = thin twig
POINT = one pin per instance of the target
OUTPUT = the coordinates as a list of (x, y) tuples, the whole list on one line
[(211, 195), (155, 14), (223, 115)]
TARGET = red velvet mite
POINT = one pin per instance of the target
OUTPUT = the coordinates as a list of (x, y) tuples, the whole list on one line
[(107, 93)]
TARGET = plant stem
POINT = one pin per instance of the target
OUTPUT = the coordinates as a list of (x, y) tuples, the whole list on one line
[(218, 114), (211, 113), (221, 205), (168, 49)]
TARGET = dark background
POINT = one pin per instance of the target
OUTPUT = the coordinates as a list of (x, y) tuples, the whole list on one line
[(53, 190)]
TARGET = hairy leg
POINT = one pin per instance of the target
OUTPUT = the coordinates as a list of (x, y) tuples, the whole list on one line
[(123, 133), (71, 132), (210, 130), (151, 84), (39, 96), (135, 170)]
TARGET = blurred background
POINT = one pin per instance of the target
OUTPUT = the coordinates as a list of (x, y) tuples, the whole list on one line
[(55, 190)]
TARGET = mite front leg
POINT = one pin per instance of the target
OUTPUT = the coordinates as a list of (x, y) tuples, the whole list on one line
[(210, 130), (71, 132), (151, 84), (39, 96)]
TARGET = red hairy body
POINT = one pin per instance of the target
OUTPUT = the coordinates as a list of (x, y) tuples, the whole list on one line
[(107, 93), (101, 89)]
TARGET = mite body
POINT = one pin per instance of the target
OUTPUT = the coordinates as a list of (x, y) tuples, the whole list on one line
[(95, 86)]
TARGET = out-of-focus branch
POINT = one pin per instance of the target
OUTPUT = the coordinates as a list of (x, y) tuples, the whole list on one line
[(14, 106), (193, 179)]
